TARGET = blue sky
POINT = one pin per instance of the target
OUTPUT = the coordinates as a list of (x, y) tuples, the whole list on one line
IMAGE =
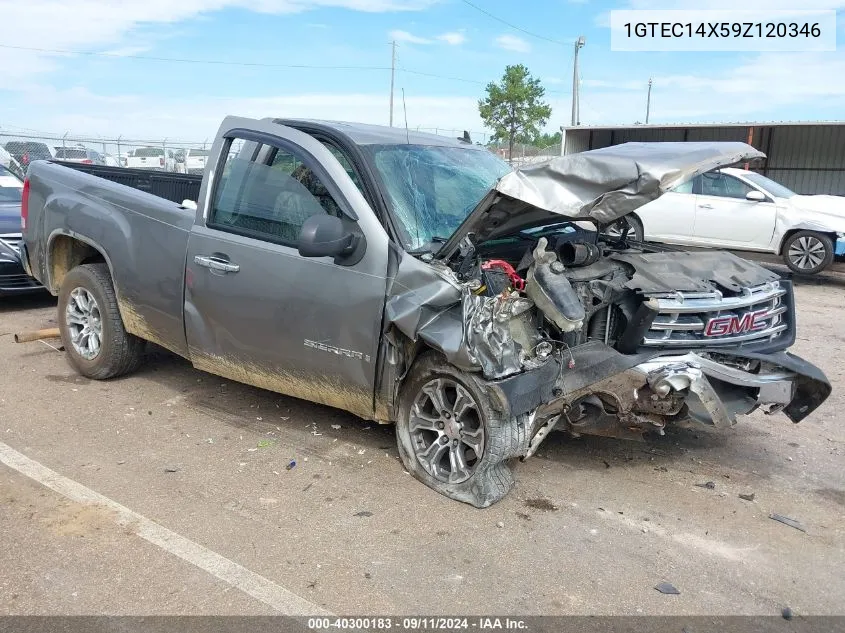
[(95, 94)]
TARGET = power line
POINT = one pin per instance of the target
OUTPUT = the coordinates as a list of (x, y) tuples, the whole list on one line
[(183, 60), (514, 26), (217, 62)]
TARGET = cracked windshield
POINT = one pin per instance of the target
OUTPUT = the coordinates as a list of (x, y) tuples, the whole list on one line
[(432, 189)]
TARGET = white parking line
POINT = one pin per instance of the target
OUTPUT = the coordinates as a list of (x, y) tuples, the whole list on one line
[(252, 584)]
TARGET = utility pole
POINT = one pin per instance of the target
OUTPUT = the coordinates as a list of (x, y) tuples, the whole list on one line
[(576, 115), (392, 75), (648, 102)]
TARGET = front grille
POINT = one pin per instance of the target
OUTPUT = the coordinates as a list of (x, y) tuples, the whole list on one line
[(711, 319), (13, 240)]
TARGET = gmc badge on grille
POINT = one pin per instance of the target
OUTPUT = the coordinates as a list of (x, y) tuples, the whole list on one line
[(732, 324)]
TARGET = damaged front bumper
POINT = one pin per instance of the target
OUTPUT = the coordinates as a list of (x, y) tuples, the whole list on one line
[(598, 391)]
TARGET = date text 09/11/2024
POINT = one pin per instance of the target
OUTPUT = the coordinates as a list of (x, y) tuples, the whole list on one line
[(429, 623)]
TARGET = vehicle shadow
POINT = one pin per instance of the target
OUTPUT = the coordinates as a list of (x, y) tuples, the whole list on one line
[(27, 302), (256, 410)]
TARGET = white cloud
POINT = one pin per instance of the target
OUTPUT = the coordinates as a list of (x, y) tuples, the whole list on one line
[(126, 51), (454, 38), (93, 24), (756, 88), (197, 117), (512, 43), (405, 36)]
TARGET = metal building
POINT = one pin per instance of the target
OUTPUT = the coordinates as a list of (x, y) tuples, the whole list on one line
[(807, 157)]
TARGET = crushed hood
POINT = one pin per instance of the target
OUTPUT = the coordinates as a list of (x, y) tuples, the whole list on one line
[(600, 185)]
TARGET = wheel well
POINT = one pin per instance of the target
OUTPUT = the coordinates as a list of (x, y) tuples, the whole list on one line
[(792, 232), (66, 253)]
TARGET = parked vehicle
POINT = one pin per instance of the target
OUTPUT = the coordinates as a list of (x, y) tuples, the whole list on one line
[(11, 164), (111, 161), (415, 279), (79, 155), (27, 151), (13, 279), (743, 210), (195, 160), (152, 158)]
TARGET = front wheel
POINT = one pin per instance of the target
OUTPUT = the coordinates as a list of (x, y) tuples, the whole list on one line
[(452, 439), (630, 222), (808, 252)]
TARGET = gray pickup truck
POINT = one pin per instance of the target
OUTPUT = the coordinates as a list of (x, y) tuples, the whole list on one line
[(418, 280)]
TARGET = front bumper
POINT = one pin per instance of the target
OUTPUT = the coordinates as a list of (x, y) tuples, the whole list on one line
[(723, 389)]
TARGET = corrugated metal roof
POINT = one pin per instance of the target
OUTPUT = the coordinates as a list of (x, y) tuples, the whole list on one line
[(675, 126)]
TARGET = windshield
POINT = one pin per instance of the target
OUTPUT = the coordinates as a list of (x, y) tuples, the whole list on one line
[(431, 190), (774, 188), (149, 152)]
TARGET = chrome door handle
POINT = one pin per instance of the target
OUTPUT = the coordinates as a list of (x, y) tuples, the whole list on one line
[(215, 263), (705, 206)]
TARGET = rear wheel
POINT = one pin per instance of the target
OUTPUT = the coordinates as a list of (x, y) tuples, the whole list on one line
[(92, 331), (808, 252), (630, 222), (452, 439)]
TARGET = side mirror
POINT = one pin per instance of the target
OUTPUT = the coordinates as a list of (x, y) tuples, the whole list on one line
[(755, 196), (324, 235)]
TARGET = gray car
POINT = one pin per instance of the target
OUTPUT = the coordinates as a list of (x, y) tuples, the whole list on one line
[(416, 280)]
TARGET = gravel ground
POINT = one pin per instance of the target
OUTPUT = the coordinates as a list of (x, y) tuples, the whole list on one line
[(592, 527)]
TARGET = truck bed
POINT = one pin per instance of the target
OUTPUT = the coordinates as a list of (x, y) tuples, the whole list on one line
[(142, 237), (167, 185)]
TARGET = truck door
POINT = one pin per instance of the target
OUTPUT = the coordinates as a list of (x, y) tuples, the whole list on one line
[(258, 312)]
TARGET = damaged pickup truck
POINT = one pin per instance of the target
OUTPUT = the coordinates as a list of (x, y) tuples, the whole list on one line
[(417, 280)]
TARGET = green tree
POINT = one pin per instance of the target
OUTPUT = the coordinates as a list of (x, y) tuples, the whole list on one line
[(513, 108)]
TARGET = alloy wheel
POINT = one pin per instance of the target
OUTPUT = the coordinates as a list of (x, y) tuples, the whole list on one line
[(84, 322), (447, 432), (807, 252)]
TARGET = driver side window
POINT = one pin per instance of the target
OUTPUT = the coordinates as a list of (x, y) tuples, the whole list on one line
[(269, 201)]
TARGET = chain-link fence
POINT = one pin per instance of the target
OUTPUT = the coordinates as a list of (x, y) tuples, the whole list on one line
[(173, 155), (163, 154)]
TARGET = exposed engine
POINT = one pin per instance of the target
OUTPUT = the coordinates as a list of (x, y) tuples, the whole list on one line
[(527, 300)]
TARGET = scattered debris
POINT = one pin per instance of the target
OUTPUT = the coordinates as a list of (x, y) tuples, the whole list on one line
[(314, 429), (787, 521), (748, 497), (606, 463), (524, 516), (363, 513), (789, 459), (710, 485), (541, 504), (265, 443), (362, 451), (259, 418), (210, 440), (661, 469), (367, 575), (307, 487), (500, 524), (171, 469), (291, 465), (121, 462), (786, 612), (668, 588), (336, 427), (312, 584)]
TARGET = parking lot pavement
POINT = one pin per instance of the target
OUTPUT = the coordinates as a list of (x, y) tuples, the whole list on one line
[(592, 526)]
